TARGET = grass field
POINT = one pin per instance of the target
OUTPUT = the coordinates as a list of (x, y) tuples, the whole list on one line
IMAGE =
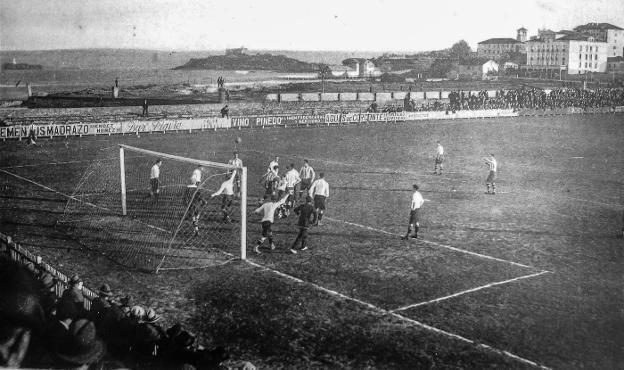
[(529, 277)]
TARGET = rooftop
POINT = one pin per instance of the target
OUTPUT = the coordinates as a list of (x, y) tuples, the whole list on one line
[(597, 26), (501, 40)]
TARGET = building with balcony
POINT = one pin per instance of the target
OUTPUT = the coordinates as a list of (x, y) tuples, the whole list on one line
[(575, 53)]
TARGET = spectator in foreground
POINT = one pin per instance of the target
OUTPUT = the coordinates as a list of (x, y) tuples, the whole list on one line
[(101, 305), (73, 294), (81, 346), (21, 313)]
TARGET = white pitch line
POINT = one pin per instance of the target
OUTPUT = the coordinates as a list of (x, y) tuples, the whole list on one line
[(403, 318), (468, 291), (436, 244)]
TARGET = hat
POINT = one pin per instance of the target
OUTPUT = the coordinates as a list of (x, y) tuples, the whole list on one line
[(137, 312), (125, 301), (48, 281), (75, 280), (151, 316), (105, 289), (81, 345)]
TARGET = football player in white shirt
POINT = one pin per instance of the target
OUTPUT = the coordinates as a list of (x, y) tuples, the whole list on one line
[(267, 210), (307, 177), (490, 182), (292, 182), (197, 175), (236, 161), (414, 220), (439, 158), (154, 178), (274, 165), (319, 191), (227, 192)]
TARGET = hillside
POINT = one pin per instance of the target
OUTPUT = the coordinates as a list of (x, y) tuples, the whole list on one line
[(266, 62)]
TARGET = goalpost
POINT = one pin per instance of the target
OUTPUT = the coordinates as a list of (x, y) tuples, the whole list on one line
[(117, 210)]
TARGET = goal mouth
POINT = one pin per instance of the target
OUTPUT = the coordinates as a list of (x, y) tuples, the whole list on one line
[(174, 222)]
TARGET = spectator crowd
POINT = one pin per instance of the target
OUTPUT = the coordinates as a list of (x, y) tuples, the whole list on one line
[(38, 329), (532, 98)]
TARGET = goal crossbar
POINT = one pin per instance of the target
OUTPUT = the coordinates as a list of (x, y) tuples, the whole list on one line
[(223, 166), (178, 158)]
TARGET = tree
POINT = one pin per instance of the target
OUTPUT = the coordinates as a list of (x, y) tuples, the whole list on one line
[(460, 49), (440, 67)]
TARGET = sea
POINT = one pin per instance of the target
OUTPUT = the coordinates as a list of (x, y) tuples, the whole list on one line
[(84, 69), (74, 80)]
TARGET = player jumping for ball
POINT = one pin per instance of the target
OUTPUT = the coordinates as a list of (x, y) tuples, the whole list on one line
[(238, 163), (439, 159), (319, 191), (267, 210), (414, 220), (227, 192), (490, 182)]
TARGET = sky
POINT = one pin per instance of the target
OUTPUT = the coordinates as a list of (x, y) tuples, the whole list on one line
[(371, 25)]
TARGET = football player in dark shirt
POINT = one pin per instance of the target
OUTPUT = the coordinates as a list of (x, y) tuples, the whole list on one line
[(305, 212)]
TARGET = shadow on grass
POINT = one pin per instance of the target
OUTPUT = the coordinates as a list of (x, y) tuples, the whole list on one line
[(293, 325)]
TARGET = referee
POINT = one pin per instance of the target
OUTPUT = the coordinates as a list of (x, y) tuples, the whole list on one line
[(417, 202)]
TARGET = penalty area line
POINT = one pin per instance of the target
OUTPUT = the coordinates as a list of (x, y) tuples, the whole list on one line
[(436, 244), (469, 291), (401, 317)]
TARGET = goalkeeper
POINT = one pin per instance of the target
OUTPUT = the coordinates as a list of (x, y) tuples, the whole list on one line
[(227, 193)]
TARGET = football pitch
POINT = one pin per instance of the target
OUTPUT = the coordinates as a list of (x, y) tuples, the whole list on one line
[(530, 277)]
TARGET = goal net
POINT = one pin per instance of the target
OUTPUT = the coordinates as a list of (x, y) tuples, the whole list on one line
[(155, 211)]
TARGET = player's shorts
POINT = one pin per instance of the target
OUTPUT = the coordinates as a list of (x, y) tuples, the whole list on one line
[(319, 202), (439, 159), (491, 177), (226, 200), (266, 229), (414, 216), (154, 185), (305, 184)]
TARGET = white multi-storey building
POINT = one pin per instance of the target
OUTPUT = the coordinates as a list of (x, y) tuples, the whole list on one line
[(612, 35), (577, 54)]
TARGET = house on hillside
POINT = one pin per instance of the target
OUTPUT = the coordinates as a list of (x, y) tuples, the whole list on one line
[(474, 69), (365, 67)]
